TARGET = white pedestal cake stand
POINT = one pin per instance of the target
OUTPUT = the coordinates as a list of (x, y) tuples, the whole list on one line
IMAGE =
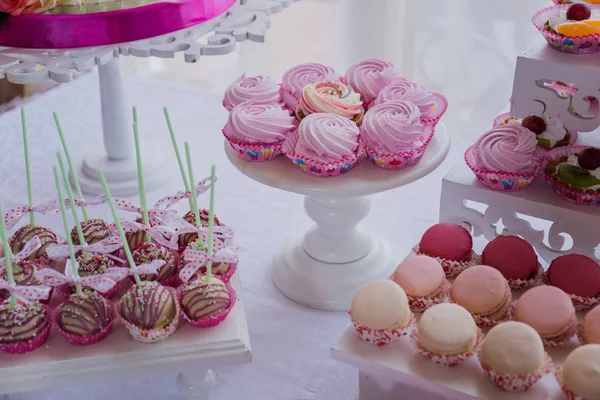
[(117, 159), (323, 268)]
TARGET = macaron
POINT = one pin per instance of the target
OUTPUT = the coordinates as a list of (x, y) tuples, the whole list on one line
[(513, 348), (447, 240), (484, 292), (381, 305), (447, 329), (421, 277), (581, 372), (549, 311), (590, 327), (512, 256), (575, 274)]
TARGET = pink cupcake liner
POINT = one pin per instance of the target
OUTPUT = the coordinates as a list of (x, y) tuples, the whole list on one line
[(420, 304), (82, 340), (484, 322), (150, 335), (567, 193), (569, 394), (537, 279), (65, 291), (381, 337), (441, 106), (318, 168), (213, 320), (564, 338), (576, 45), (402, 159), (447, 360), (504, 181), (581, 303), (255, 151), (501, 120), (516, 383), (32, 344), (451, 267)]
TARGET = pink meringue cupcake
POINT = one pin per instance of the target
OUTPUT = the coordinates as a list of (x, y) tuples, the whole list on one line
[(257, 131), (432, 105), (324, 145), (368, 77), (297, 77), (330, 97), (261, 89), (505, 158), (394, 135)]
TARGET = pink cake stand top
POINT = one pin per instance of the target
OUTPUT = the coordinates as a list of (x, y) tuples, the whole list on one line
[(64, 31)]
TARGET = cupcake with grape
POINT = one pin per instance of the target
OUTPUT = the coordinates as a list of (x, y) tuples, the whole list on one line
[(301, 75), (369, 77), (260, 89), (330, 97), (549, 131), (324, 145), (574, 173), (256, 132), (573, 28)]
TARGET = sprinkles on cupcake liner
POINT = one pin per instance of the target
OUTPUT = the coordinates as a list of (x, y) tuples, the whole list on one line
[(504, 181), (401, 159), (381, 337), (451, 267), (83, 340), (31, 344), (215, 319), (420, 304), (576, 45), (516, 383), (255, 151), (569, 394), (502, 119), (449, 360), (318, 168), (441, 105)]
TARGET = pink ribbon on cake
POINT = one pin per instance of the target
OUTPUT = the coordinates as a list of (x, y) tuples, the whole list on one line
[(142, 269), (26, 293), (201, 187), (29, 248), (85, 203), (101, 283), (198, 258), (106, 246), (13, 215), (161, 234), (181, 226)]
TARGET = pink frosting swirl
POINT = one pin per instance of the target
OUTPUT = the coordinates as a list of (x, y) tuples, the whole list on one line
[(406, 90), (326, 137), (301, 75), (259, 123), (393, 127), (368, 77), (261, 89), (506, 148), (330, 97)]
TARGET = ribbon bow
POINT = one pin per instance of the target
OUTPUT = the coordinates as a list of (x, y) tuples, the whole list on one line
[(85, 203), (106, 246), (31, 246), (164, 235), (14, 214), (181, 226), (26, 293), (101, 283), (201, 187), (153, 215), (142, 269), (198, 258)]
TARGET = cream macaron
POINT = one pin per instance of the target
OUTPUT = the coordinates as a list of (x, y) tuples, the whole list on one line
[(581, 372), (447, 329)]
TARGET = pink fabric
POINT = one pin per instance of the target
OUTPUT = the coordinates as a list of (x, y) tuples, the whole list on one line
[(103, 28)]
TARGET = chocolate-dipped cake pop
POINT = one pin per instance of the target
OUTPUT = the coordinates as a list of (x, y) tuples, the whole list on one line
[(203, 299), (85, 314), (93, 264), (145, 253), (24, 234), (21, 322), (24, 275), (186, 238), (148, 306), (94, 231)]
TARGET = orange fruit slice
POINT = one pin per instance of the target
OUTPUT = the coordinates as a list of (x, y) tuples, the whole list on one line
[(593, 22), (593, 1), (579, 28)]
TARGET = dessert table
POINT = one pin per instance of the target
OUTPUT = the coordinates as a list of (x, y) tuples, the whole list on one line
[(290, 343)]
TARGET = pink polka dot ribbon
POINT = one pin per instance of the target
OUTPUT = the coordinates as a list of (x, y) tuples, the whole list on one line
[(142, 269), (197, 258), (31, 246), (181, 226), (154, 215), (101, 283), (26, 294), (201, 187), (12, 216), (161, 234), (106, 246)]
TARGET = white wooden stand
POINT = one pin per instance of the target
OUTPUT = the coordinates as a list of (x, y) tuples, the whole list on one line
[(323, 268)]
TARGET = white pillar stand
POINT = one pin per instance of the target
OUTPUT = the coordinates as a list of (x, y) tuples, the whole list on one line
[(197, 384)]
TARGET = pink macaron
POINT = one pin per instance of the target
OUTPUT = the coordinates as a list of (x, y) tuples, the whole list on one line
[(447, 240), (424, 281)]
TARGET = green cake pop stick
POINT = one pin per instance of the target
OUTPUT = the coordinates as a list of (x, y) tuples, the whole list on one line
[(63, 213), (27, 168), (140, 174), (113, 210), (211, 222), (7, 256), (70, 162), (193, 198), (177, 154)]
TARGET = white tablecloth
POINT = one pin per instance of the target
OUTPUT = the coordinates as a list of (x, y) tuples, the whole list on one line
[(290, 343)]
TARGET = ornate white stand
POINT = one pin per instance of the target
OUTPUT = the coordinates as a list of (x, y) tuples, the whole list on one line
[(323, 268), (247, 21)]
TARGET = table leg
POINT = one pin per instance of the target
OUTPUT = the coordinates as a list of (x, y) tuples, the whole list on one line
[(196, 385)]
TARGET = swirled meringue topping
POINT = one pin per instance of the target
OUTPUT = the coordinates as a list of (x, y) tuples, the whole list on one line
[(330, 97), (368, 77), (297, 77), (261, 89), (326, 137), (406, 90), (259, 123), (393, 127), (506, 148)]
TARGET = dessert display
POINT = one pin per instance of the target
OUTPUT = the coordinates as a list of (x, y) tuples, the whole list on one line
[(578, 276), (589, 331), (380, 312), (549, 132), (549, 311), (259, 89), (505, 158), (394, 135), (369, 77), (301, 75), (513, 356), (484, 292), (330, 97), (581, 373), (423, 280), (515, 258), (447, 334)]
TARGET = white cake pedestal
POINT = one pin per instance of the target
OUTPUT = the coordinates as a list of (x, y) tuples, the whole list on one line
[(323, 268)]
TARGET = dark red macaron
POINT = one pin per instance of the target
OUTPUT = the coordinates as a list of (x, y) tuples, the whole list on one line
[(447, 240), (514, 257), (575, 274)]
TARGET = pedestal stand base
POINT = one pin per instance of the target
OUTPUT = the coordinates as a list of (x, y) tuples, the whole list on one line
[(328, 286)]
